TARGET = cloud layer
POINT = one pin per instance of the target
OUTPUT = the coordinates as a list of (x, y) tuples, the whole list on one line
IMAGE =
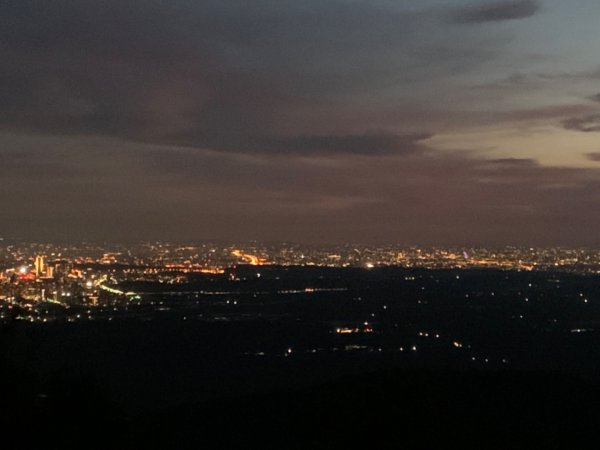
[(316, 120), (586, 124), (161, 192), (231, 76), (497, 11)]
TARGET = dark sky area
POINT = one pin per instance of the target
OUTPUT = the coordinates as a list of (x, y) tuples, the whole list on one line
[(400, 121)]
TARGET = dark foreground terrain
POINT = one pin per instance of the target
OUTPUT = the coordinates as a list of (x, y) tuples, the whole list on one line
[(312, 358), (412, 409)]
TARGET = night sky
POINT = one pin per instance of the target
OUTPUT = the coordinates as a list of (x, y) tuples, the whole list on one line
[(385, 121)]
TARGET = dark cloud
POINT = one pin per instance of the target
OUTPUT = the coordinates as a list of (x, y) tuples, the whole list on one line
[(364, 144), (497, 11), (594, 156), (586, 124), (512, 163), (595, 98), (235, 76)]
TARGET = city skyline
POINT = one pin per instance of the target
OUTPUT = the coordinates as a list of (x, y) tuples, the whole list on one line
[(464, 122)]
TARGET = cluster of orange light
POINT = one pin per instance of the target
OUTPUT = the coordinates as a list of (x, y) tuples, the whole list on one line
[(183, 268), (345, 330), (214, 271), (251, 259)]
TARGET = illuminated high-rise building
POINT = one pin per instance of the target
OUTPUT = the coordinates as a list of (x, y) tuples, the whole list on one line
[(40, 266)]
